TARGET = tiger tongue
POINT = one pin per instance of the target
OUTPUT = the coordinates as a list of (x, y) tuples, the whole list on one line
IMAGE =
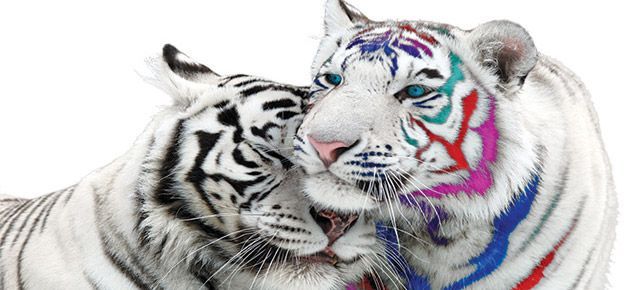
[(338, 224)]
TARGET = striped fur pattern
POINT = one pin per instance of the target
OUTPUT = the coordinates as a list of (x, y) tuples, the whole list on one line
[(206, 199), (482, 156)]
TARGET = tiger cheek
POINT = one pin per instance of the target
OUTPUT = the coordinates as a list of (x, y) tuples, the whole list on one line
[(472, 148), (434, 157)]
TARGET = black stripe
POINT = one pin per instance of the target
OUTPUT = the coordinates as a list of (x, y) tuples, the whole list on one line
[(48, 210), (129, 265), (160, 249), (197, 269), (164, 193), (91, 281), (221, 104), (10, 199), (262, 132), (11, 222), (286, 115), (185, 215), (240, 84), (21, 284), (164, 190), (230, 117), (239, 158), (8, 212), (268, 191), (286, 163), (230, 78), (258, 196), (238, 185), (140, 197), (136, 277), (430, 73), (261, 88), (70, 193), (582, 271), (27, 219), (122, 266), (207, 141), (277, 104)]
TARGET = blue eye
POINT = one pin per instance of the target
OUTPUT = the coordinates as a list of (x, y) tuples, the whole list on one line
[(333, 79), (415, 91)]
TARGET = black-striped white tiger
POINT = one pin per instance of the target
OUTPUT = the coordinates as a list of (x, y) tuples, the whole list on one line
[(205, 199), (486, 154)]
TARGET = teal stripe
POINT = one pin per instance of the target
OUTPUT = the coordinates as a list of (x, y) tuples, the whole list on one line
[(555, 199), (447, 89), (456, 75), (441, 117), (411, 141)]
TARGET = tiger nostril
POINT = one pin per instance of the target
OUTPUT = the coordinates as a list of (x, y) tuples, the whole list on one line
[(329, 152), (333, 224)]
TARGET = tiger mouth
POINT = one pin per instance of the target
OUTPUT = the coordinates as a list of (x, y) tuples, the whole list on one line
[(326, 256), (278, 255)]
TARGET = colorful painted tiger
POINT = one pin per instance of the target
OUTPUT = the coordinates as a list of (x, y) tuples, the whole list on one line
[(483, 156), (206, 199)]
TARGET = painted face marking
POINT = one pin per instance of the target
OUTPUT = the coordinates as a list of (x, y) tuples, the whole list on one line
[(388, 43), (447, 89), (480, 178), (454, 149)]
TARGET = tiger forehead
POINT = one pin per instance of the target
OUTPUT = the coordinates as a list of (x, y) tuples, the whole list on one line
[(385, 43), (392, 32)]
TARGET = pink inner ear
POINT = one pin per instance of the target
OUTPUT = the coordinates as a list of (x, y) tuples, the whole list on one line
[(512, 49)]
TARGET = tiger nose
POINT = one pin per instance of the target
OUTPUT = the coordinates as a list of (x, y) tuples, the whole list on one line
[(329, 151), (333, 224)]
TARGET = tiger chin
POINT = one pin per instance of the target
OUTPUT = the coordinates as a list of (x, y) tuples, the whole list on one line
[(205, 199), (482, 156)]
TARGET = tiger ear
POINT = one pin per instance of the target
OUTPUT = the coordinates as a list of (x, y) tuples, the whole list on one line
[(340, 16), (507, 49), (183, 66), (179, 76)]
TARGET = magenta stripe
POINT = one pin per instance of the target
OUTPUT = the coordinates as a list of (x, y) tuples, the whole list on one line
[(480, 178)]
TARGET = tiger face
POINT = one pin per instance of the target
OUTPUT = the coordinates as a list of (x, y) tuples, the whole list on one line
[(229, 199), (407, 113)]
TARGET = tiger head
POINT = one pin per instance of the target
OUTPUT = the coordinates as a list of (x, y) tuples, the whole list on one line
[(416, 114), (223, 197)]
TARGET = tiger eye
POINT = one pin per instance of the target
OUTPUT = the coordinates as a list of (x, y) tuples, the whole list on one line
[(415, 91), (334, 79)]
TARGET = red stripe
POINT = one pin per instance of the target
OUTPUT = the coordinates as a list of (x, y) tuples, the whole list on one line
[(538, 272), (424, 36), (454, 149)]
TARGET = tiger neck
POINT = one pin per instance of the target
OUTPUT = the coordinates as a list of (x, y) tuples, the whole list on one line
[(115, 195), (452, 252)]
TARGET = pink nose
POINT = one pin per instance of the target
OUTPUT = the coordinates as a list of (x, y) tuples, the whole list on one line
[(328, 151)]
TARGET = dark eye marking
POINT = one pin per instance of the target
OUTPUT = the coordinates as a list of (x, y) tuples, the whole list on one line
[(430, 73), (423, 103)]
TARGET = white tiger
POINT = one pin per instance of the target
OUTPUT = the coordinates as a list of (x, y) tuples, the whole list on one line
[(205, 199), (483, 155)]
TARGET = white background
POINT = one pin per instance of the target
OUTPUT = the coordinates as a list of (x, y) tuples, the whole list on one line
[(70, 100)]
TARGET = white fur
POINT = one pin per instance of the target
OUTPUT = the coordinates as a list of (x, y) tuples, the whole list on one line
[(547, 126), (107, 206)]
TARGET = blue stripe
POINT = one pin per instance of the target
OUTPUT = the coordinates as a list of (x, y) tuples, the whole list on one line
[(489, 260), (496, 251), (399, 263)]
